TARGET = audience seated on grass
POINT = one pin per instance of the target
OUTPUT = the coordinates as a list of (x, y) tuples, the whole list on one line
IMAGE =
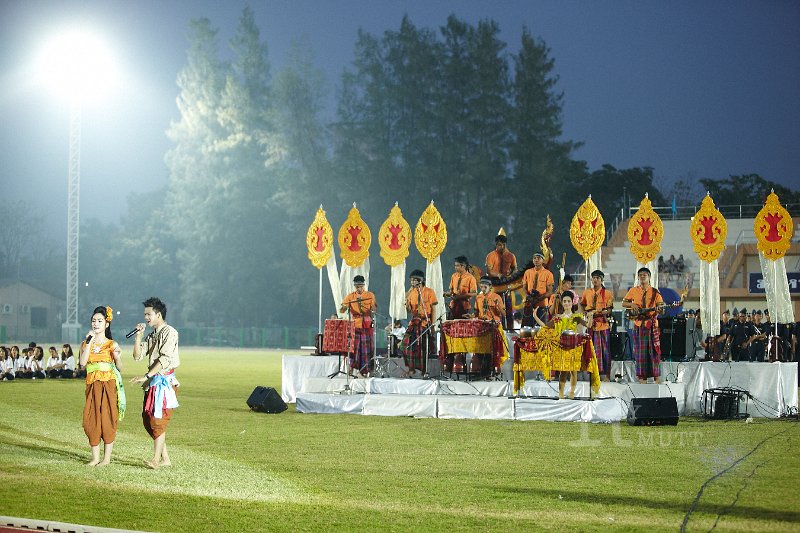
[(30, 364), (6, 365)]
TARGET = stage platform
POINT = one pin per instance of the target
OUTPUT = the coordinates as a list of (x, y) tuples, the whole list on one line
[(773, 387)]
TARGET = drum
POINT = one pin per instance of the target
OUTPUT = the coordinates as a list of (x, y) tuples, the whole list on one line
[(337, 337), (465, 328), (525, 332), (462, 337), (570, 340)]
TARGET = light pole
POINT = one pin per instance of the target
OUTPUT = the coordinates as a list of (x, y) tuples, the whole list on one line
[(79, 66), (71, 326)]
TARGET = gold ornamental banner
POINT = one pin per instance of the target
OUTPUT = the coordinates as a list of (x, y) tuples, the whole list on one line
[(394, 237), (708, 231), (319, 240), (587, 230), (773, 228), (354, 239), (430, 235), (645, 231)]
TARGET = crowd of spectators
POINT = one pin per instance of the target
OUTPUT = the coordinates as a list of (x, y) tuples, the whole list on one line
[(672, 265), (30, 363)]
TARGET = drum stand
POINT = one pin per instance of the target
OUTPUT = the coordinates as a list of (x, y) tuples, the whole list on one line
[(350, 341), (380, 367)]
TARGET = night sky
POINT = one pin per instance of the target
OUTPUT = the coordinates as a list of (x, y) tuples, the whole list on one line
[(693, 89)]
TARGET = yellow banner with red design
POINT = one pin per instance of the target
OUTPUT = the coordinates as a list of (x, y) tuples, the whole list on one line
[(319, 240), (587, 230), (773, 228), (394, 237), (708, 230), (354, 239), (645, 231)]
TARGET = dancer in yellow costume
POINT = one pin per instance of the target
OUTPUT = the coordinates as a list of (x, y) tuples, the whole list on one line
[(567, 360)]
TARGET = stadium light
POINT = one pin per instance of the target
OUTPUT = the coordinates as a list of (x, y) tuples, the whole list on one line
[(78, 66)]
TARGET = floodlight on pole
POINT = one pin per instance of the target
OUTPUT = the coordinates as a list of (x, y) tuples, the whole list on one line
[(77, 65)]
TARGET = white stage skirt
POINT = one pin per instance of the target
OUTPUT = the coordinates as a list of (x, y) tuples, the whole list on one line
[(773, 389)]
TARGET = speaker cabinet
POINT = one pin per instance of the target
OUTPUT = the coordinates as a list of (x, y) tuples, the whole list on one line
[(675, 339), (653, 412), (266, 400), (619, 341)]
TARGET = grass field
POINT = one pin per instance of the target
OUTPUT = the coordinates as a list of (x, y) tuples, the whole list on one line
[(235, 470)]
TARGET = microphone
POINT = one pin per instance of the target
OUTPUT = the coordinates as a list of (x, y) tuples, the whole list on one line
[(88, 338), (131, 333)]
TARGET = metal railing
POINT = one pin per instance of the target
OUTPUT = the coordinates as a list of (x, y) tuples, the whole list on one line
[(728, 211)]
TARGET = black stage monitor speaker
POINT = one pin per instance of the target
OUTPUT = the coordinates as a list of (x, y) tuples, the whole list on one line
[(674, 338), (266, 400), (619, 341), (653, 412)]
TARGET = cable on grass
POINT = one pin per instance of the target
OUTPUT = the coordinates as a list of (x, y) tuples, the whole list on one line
[(721, 473)]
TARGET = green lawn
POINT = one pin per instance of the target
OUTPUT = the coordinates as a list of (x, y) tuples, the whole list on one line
[(235, 470)]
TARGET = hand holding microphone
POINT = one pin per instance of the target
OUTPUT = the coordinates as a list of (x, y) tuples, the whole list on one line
[(134, 331)]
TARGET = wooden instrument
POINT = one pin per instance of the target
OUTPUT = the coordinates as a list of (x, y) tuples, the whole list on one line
[(643, 312)]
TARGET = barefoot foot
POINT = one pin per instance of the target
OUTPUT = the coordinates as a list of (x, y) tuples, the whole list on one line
[(93, 462), (150, 464)]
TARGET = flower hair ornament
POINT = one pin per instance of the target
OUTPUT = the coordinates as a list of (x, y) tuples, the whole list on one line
[(109, 314)]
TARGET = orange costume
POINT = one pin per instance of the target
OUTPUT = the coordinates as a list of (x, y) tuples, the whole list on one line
[(595, 301), (413, 304), (461, 283), (538, 280), (500, 266), (489, 306), (101, 412), (361, 306), (649, 298)]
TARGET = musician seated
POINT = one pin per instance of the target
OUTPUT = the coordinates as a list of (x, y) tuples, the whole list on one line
[(554, 302), (538, 283), (461, 289), (517, 320), (489, 304), (395, 333), (500, 263)]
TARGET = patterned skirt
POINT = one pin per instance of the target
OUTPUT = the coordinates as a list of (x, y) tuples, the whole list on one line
[(362, 350), (648, 360), (601, 340), (414, 345)]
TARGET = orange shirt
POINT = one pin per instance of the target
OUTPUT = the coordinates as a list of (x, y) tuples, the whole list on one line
[(594, 300), (637, 295), (538, 280), (489, 306), (463, 284), (498, 266), (359, 310), (428, 299), (100, 353)]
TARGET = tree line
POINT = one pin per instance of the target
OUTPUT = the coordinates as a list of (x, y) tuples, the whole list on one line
[(446, 114)]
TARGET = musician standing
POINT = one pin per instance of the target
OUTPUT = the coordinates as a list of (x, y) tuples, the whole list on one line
[(601, 301), (462, 288), (360, 304), (740, 333), (758, 340), (489, 304), (419, 340), (646, 336), (538, 283), (500, 263)]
